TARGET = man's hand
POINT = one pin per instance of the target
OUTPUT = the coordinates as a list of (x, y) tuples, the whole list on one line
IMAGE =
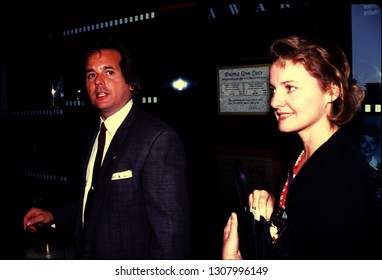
[(36, 217)]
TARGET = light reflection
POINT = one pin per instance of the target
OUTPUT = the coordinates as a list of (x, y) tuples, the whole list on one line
[(180, 84)]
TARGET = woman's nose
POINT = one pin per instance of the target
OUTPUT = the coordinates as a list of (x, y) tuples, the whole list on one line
[(277, 99)]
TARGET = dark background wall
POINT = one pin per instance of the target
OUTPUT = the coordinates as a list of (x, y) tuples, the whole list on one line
[(190, 40)]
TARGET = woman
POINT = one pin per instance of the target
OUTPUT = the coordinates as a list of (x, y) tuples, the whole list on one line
[(369, 140), (328, 196)]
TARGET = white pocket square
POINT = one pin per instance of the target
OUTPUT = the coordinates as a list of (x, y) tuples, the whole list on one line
[(122, 175)]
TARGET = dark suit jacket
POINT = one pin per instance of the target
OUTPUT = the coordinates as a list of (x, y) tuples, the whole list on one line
[(331, 205), (145, 216)]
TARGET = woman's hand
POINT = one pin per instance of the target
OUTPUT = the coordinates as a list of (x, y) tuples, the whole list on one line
[(230, 249), (263, 202)]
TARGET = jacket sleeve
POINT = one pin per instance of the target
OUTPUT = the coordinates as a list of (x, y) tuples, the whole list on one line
[(166, 197)]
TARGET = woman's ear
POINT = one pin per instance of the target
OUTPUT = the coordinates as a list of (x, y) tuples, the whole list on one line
[(333, 93)]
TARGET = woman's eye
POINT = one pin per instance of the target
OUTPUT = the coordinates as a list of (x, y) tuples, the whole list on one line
[(291, 88)]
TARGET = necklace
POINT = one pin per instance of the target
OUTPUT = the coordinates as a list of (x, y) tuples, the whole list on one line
[(296, 169), (297, 165)]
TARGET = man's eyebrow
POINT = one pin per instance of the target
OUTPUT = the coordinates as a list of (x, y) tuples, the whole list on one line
[(107, 67)]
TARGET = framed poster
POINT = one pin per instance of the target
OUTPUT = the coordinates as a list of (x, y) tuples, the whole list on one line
[(369, 137), (243, 89)]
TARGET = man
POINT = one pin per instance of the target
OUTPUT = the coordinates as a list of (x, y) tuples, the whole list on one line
[(140, 207)]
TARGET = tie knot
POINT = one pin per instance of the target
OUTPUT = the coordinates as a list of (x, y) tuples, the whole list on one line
[(103, 127)]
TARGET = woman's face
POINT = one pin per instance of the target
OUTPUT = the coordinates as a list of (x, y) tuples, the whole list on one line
[(299, 103), (368, 145)]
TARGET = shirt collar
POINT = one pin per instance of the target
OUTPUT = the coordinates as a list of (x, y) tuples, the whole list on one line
[(113, 122), (373, 163)]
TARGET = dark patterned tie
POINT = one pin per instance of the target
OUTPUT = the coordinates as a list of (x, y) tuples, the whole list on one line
[(96, 168)]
